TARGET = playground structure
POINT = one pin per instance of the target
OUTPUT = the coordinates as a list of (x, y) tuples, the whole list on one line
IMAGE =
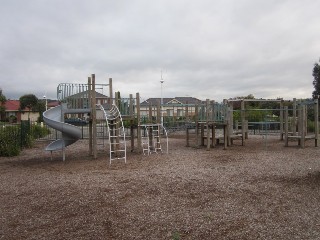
[(297, 126), (212, 123), (78, 100), (151, 141), (211, 116)]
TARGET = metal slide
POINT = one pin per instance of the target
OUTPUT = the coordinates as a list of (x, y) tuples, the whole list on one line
[(70, 133)]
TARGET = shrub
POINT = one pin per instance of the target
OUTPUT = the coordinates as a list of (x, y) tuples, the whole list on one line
[(9, 141), (13, 138), (39, 131), (310, 126)]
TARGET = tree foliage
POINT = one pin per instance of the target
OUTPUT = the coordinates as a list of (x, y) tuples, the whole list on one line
[(28, 100), (237, 104), (316, 80), (33, 103), (3, 100)]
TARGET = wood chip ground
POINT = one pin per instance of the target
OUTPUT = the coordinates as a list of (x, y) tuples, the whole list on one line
[(259, 191)]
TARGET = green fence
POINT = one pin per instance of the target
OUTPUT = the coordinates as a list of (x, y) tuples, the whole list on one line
[(14, 137)]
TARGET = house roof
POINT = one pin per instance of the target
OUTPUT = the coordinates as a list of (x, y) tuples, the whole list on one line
[(175, 100), (12, 105), (53, 104), (84, 94)]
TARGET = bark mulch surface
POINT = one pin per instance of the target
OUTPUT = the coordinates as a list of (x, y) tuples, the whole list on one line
[(262, 190)]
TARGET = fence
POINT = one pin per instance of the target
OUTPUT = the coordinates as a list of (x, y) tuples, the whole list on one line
[(14, 137)]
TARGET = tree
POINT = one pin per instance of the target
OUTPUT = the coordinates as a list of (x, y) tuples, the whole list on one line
[(40, 107), (237, 104), (29, 101), (3, 100), (316, 80)]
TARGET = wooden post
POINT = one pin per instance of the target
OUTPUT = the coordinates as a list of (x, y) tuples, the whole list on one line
[(242, 121), (138, 121), (299, 123), (202, 133), (187, 137), (110, 92), (90, 118), (294, 118), (158, 121), (158, 112), (131, 122), (196, 116), (303, 126), (117, 126), (187, 112), (94, 117), (281, 120), (230, 123), (246, 129), (316, 123), (207, 123), (225, 135), (213, 131), (286, 127), (150, 113), (150, 129)]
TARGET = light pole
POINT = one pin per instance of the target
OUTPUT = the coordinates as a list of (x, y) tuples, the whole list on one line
[(45, 98), (161, 102)]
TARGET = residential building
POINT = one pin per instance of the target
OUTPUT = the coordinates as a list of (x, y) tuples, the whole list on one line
[(171, 107), (14, 114)]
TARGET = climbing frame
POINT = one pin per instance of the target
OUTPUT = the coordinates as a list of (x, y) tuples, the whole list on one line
[(116, 133)]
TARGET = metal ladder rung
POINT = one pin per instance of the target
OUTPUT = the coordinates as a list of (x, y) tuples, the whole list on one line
[(117, 144), (119, 158), (117, 137), (115, 151)]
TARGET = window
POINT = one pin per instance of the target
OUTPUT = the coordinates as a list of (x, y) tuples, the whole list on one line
[(180, 112)]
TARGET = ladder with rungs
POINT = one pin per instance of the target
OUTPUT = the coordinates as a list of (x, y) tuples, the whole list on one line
[(156, 139), (145, 141), (101, 135), (116, 133), (151, 141)]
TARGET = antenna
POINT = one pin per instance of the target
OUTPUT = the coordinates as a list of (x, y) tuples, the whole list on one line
[(161, 99), (161, 77)]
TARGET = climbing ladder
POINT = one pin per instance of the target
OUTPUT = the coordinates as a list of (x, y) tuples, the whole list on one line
[(145, 142), (117, 138), (101, 135), (151, 141)]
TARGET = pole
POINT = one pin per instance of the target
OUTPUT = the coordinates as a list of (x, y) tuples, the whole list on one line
[(161, 102), (90, 119), (46, 100), (94, 116)]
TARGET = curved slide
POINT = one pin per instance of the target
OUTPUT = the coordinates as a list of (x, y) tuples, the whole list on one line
[(70, 133)]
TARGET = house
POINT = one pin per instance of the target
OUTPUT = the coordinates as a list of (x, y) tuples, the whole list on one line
[(52, 103), (81, 101), (171, 107), (14, 114)]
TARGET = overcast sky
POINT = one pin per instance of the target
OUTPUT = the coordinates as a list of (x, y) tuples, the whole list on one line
[(212, 49)]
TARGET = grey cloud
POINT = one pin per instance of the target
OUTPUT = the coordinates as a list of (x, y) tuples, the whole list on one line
[(208, 49)]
